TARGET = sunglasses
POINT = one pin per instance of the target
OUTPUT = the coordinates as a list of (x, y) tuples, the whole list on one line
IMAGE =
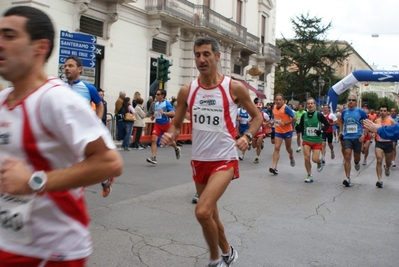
[(353, 100)]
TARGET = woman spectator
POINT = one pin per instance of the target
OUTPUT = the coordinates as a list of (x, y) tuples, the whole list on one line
[(139, 124), (135, 97), (128, 125)]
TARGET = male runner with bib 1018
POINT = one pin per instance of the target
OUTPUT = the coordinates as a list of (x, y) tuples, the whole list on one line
[(212, 102)]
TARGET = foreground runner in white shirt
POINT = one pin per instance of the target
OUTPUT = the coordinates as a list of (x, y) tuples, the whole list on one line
[(51, 146)]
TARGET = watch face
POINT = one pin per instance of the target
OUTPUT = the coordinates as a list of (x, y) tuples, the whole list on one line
[(37, 180)]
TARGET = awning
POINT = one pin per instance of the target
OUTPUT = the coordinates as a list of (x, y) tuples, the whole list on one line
[(250, 87)]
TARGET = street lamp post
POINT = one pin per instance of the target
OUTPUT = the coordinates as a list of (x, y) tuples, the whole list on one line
[(321, 83)]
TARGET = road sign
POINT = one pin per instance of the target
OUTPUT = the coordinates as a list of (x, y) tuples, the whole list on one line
[(83, 46)]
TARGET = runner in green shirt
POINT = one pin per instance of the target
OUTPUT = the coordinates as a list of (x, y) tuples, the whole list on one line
[(310, 125), (298, 115)]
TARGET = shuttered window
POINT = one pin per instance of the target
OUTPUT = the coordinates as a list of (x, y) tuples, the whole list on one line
[(91, 26), (159, 46)]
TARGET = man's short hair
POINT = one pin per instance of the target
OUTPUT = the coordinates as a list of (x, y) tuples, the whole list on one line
[(100, 90), (207, 40), (76, 59), (38, 24)]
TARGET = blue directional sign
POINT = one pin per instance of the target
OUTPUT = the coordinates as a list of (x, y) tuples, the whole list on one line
[(77, 44)]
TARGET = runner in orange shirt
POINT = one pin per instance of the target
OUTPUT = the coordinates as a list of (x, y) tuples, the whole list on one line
[(284, 117)]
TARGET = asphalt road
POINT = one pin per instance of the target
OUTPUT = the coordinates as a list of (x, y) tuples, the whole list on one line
[(148, 219)]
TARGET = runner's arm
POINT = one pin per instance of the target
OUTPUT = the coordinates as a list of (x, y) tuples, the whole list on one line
[(180, 114)]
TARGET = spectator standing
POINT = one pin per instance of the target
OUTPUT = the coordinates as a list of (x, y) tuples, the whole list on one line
[(148, 104), (135, 97), (120, 134), (139, 123), (73, 69), (128, 125), (151, 111), (57, 147), (101, 94)]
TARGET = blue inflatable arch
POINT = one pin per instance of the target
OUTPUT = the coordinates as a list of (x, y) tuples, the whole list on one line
[(359, 76)]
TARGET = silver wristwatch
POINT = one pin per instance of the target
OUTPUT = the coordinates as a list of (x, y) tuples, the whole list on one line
[(37, 181)]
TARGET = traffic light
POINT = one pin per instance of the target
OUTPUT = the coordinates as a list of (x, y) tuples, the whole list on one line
[(167, 71), (163, 69)]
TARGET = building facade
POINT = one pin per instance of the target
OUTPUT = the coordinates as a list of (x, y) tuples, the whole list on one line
[(132, 34)]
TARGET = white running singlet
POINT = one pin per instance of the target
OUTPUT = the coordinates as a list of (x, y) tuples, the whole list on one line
[(49, 129), (213, 117)]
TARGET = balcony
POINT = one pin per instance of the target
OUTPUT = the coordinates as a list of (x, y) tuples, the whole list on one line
[(270, 54), (200, 16)]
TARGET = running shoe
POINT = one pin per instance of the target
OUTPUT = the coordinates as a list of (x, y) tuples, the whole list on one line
[(379, 184), (178, 152), (152, 160), (220, 263), (292, 162), (262, 145), (256, 161), (298, 149), (393, 164), (364, 162), (347, 182), (249, 147), (357, 166), (319, 166), (107, 186), (387, 172), (232, 258), (309, 179), (332, 154), (273, 170), (241, 157), (195, 198), (323, 161)]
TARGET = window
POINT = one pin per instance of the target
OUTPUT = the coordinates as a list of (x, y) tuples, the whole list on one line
[(159, 46), (91, 26), (207, 7), (239, 12), (237, 69), (263, 33)]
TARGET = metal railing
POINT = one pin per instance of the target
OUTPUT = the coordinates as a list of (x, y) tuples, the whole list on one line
[(111, 125), (203, 16)]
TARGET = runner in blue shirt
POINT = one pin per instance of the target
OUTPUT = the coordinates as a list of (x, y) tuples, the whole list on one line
[(162, 114), (352, 135), (73, 69)]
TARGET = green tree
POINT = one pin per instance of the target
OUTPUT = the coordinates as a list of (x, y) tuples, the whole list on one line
[(306, 57), (371, 99), (387, 102)]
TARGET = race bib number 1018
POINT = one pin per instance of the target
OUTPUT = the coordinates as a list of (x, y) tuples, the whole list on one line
[(208, 119)]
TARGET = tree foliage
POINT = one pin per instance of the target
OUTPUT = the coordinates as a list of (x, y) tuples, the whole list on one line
[(307, 57), (375, 102)]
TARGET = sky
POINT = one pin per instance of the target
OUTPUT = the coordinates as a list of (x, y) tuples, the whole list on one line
[(353, 21)]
